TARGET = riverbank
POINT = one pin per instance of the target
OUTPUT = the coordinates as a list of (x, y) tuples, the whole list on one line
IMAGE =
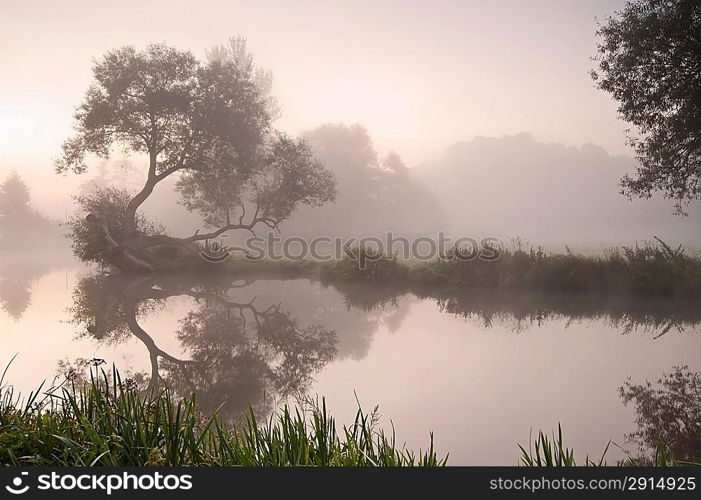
[(647, 269), (651, 268)]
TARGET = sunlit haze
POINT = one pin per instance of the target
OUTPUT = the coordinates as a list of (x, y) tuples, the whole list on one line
[(419, 75), (481, 219)]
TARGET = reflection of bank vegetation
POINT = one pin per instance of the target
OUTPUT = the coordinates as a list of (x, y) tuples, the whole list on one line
[(241, 348), (521, 310)]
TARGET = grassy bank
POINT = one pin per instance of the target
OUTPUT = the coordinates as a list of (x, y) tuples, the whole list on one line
[(108, 422), (651, 268)]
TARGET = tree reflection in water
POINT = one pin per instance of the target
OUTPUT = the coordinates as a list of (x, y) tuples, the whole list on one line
[(19, 271), (257, 341), (237, 352)]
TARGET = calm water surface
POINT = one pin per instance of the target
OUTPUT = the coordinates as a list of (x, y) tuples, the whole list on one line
[(479, 370)]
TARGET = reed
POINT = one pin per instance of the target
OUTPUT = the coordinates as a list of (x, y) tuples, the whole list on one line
[(551, 451), (109, 422), (650, 268)]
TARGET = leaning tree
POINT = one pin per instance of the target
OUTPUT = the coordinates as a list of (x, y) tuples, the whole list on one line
[(209, 123), (649, 60)]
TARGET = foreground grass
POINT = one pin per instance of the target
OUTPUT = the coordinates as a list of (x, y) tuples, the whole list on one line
[(551, 451), (108, 422)]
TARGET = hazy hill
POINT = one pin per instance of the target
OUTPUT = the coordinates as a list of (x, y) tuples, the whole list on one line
[(548, 194)]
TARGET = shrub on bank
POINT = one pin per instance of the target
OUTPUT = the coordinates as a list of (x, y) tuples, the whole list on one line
[(366, 264)]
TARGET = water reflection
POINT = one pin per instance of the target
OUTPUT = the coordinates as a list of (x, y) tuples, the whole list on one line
[(447, 360), (521, 311), (19, 271), (256, 342), (623, 314), (237, 351), (668, 416)]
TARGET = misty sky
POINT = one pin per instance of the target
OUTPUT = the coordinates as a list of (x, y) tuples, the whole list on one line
[(419, 75)]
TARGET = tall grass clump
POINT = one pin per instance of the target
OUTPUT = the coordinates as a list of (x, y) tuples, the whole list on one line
[(551, 451), (649, 268), (366, 264), (109, 422), (657, 268)]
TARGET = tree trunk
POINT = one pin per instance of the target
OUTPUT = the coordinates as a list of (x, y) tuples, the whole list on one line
[(130, 251), (133, 252), (129, 229), (119, 255)]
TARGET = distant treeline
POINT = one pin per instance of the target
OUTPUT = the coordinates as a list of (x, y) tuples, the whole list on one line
[(549, 193)]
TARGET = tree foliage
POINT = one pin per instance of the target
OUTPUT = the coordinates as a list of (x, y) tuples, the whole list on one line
[(668, 415), (375, 194), (649, 60), (210, 123), (112, 203)]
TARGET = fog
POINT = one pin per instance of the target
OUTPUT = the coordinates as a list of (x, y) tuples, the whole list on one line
[(490, 110), (447, 183), (550, 194)]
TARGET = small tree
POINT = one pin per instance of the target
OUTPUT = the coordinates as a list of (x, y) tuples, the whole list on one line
[(649, 60), (14, 197), (21, 225), (208, 122)]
